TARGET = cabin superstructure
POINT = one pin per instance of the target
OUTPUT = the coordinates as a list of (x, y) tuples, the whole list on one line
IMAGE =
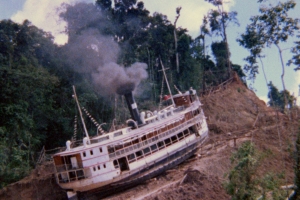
[(161, 140)]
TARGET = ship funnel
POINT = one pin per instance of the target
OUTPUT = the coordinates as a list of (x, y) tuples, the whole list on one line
[(126, 90), (134, 112)]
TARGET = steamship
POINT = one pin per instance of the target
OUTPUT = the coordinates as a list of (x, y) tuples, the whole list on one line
[(150, 144)]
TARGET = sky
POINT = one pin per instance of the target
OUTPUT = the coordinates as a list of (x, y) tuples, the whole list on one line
[(44, 14)]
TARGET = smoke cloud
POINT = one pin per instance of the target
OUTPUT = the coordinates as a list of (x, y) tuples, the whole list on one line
[(96, 55), (113, 78)]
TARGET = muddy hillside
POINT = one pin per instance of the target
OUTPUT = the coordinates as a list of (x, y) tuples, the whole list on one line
[(234, 115)]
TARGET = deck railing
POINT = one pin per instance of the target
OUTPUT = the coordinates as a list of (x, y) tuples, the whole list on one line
[(70, 176), (67, 167), (152, 140)]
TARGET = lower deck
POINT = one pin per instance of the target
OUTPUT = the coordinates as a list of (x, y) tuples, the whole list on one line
[(150, 161), (148, 172)]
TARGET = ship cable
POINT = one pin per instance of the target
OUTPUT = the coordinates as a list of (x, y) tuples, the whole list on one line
[(73, 139), (94, 121)]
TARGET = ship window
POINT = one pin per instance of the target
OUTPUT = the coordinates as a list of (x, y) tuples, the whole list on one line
[(144, 138), (100, 139), (145, 142), (196, 112), (153, 147), (116, 164), (110, 149), (186, 132), (103, 138), (72, 176), (80, 174), (146, 151), (180, 135), (153, 139), (94, 168), (135, 141), (131, 158), (118, 133), (168, 141), (139, 154), (119, 146), (192, 129), (83, 153), (100, 149), (91, 152), (104, 165), (174, 138), (161, 145), (165, 128), (98, 167), (150, 135), (127, 144)]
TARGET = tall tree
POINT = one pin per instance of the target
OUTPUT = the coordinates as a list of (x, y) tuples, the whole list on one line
[(203, 32), (175, 37), (272, 27), (219, 20)]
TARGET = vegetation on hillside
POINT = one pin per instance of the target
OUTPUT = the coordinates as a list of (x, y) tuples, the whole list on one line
[(243, 180)]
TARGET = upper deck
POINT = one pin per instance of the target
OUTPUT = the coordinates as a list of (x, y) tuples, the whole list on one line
[(185, 105)]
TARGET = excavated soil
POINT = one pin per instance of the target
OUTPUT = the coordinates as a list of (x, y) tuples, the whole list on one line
[(234, 115), (40, 184)]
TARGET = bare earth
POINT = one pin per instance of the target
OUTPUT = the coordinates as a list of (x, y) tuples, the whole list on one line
[(233, 113)]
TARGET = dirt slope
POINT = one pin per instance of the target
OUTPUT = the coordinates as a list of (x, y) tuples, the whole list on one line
[(40, 184), (232, 111)]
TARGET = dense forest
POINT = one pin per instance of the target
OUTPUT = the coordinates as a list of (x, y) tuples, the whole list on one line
[(36, 75)]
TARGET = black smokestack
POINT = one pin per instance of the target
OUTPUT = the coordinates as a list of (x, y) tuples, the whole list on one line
[(126, 90)]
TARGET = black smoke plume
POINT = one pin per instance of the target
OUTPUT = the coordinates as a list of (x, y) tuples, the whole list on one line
[(89, 52)]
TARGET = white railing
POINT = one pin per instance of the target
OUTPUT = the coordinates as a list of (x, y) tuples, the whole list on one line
[(148, 142)]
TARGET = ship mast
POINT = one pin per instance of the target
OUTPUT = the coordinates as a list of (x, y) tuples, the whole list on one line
[(163, 69), (84, 127)]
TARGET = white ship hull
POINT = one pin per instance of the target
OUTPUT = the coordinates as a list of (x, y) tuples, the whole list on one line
[(129, 156)]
